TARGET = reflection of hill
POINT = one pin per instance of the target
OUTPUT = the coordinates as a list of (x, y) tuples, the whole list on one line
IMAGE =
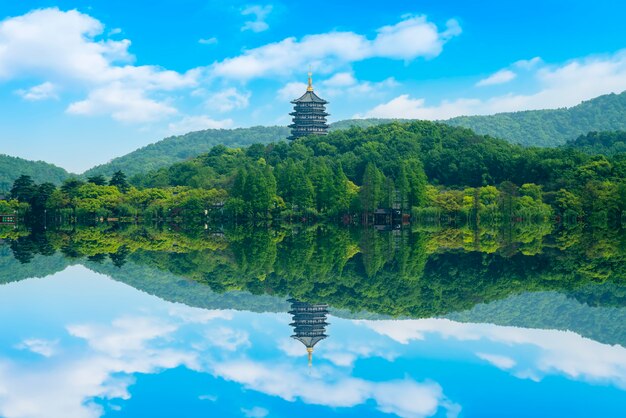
[(553, 310), (11, 270), (470, 287), (416, 274), (173, 288)]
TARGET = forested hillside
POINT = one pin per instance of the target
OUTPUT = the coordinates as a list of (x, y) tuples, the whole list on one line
[(183, 147), (12, 167), (550, 128), (545, 128), (605, 143)]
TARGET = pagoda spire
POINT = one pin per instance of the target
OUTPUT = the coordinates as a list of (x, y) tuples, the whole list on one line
[(309, 351), (310, 86)]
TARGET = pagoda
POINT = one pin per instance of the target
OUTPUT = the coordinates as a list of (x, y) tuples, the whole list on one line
[(309, 323), (309, 114)]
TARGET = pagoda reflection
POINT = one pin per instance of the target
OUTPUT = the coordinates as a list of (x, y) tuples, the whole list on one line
[(309, 324)]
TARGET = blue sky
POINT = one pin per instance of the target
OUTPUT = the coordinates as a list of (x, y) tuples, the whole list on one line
[(84, 82)]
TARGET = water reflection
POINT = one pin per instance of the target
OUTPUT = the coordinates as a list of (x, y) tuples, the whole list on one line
[(123, 319)]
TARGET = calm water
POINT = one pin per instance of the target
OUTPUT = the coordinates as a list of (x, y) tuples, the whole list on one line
[(423, 323)]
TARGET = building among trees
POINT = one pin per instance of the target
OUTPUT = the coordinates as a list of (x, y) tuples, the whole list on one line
[(309, 323), (309, 114)]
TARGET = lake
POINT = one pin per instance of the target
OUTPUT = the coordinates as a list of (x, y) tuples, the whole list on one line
[(313, 320)]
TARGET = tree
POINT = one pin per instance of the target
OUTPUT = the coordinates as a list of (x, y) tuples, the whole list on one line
[(23, 189), (119, 180), (371, 187), (70, 187), (43, 193), (98, 180)]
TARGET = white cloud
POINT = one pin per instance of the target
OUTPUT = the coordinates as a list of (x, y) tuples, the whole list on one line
[(555, 86), (291, 91), (405, 398), (198, 123), (208, 41), (259, 13), (45, 348), (227, 100), (123, 335), (501, 77), (64, 48), (346, 85), (528, 64), (412, 37), (345, 79), (228, 338), (404, 107), (122, 103), (41, 91), (256, 412), (501, 362), (554, 352)]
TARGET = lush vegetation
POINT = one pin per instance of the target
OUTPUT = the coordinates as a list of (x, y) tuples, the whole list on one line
[(605, 143), (12, 167), (552, 127), (429, 168), (183, 147)]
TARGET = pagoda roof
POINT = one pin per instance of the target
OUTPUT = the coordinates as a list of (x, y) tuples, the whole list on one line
[(309, 341), (309, 97)]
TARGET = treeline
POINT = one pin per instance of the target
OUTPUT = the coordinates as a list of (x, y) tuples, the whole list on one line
[(606, 143), (422, 166), (99, 198)]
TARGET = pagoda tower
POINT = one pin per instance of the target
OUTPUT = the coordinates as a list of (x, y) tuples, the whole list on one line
[(309, 114), (309, 323)]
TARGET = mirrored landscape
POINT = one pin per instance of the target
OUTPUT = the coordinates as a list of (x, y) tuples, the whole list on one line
[(315, 320)]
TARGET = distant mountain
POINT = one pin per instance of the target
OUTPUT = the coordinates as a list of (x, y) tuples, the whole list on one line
[(543, 128), (606, 143), (550, 128), (13, 167), (180, 148)]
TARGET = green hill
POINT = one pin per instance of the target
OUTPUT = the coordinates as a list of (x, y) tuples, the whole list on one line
[(544, 128), (183, 147), (13, 167), (550, 128)]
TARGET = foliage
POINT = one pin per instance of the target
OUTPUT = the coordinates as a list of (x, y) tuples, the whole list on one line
[(605, 143)]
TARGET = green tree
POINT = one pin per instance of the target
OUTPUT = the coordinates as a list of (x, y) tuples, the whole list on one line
[(119, 180), (23, 189), (97, 179)]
